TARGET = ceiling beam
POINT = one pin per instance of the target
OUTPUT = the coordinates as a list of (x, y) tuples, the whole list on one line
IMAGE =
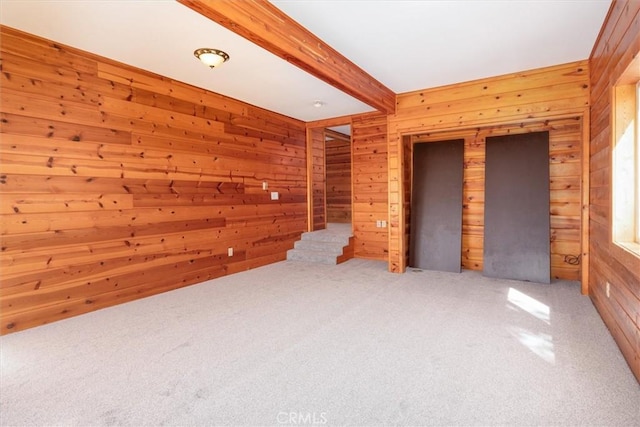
[(267, 26), (332, 134)]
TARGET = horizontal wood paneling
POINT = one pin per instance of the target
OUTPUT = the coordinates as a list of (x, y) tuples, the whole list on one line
[(617, 45), (370, 185), (317, 179), (116, 183), (517, 102), (513, 98)]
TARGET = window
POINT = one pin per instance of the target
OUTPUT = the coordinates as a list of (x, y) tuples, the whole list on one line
[(626, 162)]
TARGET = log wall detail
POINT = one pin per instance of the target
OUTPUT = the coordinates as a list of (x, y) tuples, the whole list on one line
[(617, 46), (116, 183)]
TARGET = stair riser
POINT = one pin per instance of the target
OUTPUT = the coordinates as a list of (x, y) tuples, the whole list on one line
[(295, 255), (331, 246), (327, 247), (329, 238)]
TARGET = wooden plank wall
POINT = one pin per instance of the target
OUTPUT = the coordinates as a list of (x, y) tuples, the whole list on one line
[(116, 183), (618, 43), (565, 137), (370, 185), (338, 170), (487, 105), (316, 179)]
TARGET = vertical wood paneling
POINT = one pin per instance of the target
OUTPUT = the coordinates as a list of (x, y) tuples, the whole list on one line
[(519, 102), (116, 183), (617, 45), (370, 185), (338, 165)]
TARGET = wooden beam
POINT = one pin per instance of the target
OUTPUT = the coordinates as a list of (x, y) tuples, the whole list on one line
[(330, 122), (267, 26), (332, 134)]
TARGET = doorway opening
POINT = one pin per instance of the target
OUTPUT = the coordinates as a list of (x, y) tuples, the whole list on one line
[(337, 148), (517, 207), (330, 177), (435, 237)]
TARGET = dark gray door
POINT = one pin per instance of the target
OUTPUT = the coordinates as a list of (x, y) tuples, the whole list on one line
[(516, 215), (436, 206)]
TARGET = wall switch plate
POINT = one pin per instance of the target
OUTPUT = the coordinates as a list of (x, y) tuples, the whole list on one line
[(275, 195), (378, 223), (230, 251), (265, 185), (383, 224), (608, 289)]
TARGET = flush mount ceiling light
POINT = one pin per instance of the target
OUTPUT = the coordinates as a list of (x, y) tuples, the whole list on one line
[(211, 57), (318, 104)]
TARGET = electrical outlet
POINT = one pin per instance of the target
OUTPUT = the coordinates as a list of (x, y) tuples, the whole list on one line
[(608, 289), (230, 251), (383, 224), (378, 223), (275, 195), (265, 185)]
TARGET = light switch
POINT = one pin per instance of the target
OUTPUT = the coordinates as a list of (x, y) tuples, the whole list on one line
[(275, 195)]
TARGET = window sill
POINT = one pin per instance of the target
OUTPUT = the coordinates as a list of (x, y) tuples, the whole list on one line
[(632, 248)]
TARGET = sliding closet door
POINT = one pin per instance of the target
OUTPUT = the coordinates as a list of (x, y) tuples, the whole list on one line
[(516, 218), (436, 206)]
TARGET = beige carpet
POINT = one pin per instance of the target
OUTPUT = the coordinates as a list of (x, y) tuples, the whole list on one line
[(301, 344)]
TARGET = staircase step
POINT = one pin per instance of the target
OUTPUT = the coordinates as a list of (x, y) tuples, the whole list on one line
[(311, 256), (331, 248), (326, 236)]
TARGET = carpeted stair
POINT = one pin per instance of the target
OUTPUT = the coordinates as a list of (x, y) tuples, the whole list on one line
[(332, 245)]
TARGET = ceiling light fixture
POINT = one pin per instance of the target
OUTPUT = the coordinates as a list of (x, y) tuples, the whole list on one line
[(318, 104), (211, 57)]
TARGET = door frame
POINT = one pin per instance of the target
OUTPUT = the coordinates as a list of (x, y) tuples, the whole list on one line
[(400, 175), (313, 130)]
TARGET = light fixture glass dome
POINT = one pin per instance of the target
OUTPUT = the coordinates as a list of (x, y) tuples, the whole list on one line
[(211, 57)]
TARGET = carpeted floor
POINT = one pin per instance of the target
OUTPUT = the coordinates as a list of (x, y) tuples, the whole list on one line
[(301, 344)]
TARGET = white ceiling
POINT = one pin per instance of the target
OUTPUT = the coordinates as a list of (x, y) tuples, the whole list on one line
[(407, 45)]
